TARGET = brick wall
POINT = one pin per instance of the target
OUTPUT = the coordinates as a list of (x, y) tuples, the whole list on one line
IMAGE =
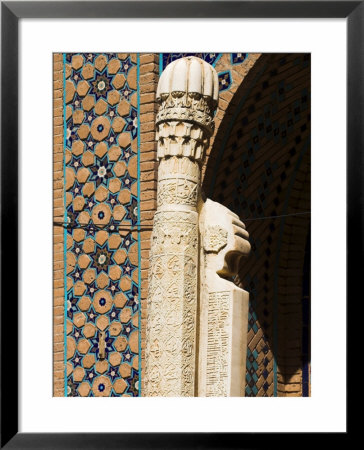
[(149, 76), (290, 287), (239, 73), (58, 231)]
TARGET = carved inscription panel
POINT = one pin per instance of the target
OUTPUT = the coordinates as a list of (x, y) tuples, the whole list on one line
[(218, 344), (177, 191), (171, 326)]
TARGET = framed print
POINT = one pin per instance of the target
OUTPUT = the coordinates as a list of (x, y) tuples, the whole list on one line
[(172, 222)]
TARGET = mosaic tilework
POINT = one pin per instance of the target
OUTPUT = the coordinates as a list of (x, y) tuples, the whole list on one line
[(225, 77), (167, 58), (263, 145), (102, 215), (224, 81), (238, 58)]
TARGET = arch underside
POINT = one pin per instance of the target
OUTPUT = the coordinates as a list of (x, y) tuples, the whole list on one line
[(259, 167)]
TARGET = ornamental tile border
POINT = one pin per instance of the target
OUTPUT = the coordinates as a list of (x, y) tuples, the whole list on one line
[(101, 164)]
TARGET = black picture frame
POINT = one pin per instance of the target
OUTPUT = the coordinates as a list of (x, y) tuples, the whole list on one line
[(11, 12)]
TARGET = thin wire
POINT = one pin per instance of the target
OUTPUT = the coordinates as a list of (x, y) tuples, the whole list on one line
[(149, 228), (277, 217)]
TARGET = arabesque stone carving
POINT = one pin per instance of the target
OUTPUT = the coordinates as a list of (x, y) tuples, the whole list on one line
[(188, 94)]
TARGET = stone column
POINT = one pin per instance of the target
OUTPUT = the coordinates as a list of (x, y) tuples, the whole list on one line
[(187, 92)]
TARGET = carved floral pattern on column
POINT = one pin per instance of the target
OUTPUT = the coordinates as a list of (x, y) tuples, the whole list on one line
[(187, 92)]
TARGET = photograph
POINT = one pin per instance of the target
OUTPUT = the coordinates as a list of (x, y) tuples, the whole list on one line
[(181, 224), (181, 200)]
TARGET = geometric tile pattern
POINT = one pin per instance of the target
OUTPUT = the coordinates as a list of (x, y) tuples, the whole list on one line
[(224, 78), (101, 218), (238, 58), (210, 58), (251, 389)]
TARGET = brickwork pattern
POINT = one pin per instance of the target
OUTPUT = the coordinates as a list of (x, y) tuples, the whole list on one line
[(293, 346), (238, 71), (58, 235), (259, 167), (149, 76)]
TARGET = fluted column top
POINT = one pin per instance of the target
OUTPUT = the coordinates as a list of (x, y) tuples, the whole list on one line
[(188, 91)]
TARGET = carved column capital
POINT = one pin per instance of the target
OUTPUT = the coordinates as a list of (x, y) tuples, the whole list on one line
[(188, 94)]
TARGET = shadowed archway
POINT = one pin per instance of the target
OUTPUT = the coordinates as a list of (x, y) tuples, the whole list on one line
[(259, 167)]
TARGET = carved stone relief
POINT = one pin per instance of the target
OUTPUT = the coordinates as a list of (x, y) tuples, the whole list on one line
[(188, 92), (184, 124), (223, 321), (215, 238), (218, 334)]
